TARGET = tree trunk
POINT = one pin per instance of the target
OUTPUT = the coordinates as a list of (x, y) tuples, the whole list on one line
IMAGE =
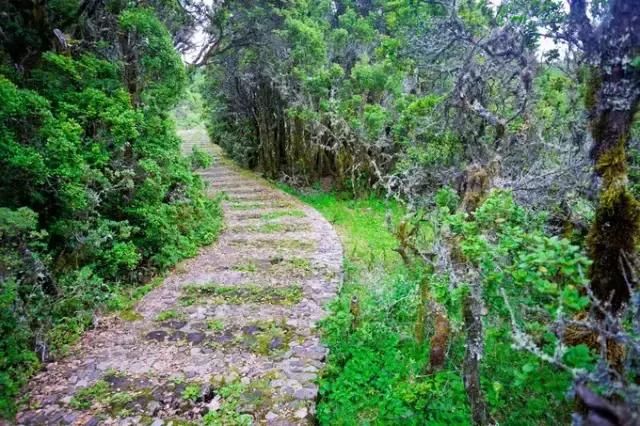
[(612, 100), (472, 315)]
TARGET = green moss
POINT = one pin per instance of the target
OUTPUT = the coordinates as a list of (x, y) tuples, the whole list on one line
[(616, 229), (294, 266), (216, 325), (284, 213), (287, 295), (273, 228), (592, 89), (268, 338), (284, 244), (265, 340), (168, 315), (130, 315), (257, 396), (86, 397), (612, 166), (246, 267)]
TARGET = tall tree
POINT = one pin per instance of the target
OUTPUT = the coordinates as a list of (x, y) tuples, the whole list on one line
[(612, 48)]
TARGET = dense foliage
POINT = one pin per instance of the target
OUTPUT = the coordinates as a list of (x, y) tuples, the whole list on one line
[(499, 286), (95, 196), (516, 287)]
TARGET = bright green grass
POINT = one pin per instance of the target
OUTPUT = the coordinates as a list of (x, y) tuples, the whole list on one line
[(374, 375), (361, 224)]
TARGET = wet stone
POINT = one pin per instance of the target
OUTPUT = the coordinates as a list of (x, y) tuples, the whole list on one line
[(195, 337), (251, 329), (305, 393), (223, 338), (158, 335), (199, 326), (93, 421), (177, 335), (276, 343), (153, 407), (175, 324)]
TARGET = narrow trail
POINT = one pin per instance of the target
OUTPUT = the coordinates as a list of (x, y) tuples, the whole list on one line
[(229, 332)]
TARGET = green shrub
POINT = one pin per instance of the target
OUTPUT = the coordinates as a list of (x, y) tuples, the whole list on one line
[(106, 199)]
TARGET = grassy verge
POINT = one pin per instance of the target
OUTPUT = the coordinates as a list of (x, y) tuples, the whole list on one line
[(374, 374)]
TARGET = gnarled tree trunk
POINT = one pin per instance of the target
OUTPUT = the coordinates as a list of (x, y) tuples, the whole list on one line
[(612, 100)]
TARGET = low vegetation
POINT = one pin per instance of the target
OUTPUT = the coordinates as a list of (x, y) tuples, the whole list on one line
[(377, 370)]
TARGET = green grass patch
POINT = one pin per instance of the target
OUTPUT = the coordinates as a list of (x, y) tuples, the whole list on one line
[(253, 293), (284, 213), (283, 244), (256, 394), (86, 397), (215, 325), (246, 267), (169, 314)]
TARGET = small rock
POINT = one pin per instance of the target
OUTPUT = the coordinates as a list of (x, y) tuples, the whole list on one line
[(301, 413), (215, 404), (195, 337), (157, 422), (177, 335), (250, 329), (276, 343), (175, 324), (153, 407), (69, 418), (93, 421), (306, 393), (158, 335), (271, 416), (231, 377), (66, 400)]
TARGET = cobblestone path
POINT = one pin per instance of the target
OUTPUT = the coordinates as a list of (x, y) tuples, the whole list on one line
[(228, 338)]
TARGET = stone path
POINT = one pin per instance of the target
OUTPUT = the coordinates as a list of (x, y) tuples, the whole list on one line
[(228, 338)]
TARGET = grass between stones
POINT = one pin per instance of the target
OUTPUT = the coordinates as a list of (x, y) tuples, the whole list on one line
[(246, 205), (235, 400), (106, 398), (118, 395), (277, 265), (284, 244), (169, 314), (273, 228), (235, 295), (284, 213), (266, 337)]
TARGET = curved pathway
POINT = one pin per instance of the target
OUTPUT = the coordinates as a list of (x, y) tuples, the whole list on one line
[(229, 336)]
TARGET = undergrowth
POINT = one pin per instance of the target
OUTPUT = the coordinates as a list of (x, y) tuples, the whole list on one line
[(375, 375)]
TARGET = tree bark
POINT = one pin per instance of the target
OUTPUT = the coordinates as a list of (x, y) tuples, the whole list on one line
[(472, 315), (612, 100)]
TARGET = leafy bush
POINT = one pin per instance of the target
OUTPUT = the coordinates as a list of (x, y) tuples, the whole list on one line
[(105, 199), (375, 372)]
